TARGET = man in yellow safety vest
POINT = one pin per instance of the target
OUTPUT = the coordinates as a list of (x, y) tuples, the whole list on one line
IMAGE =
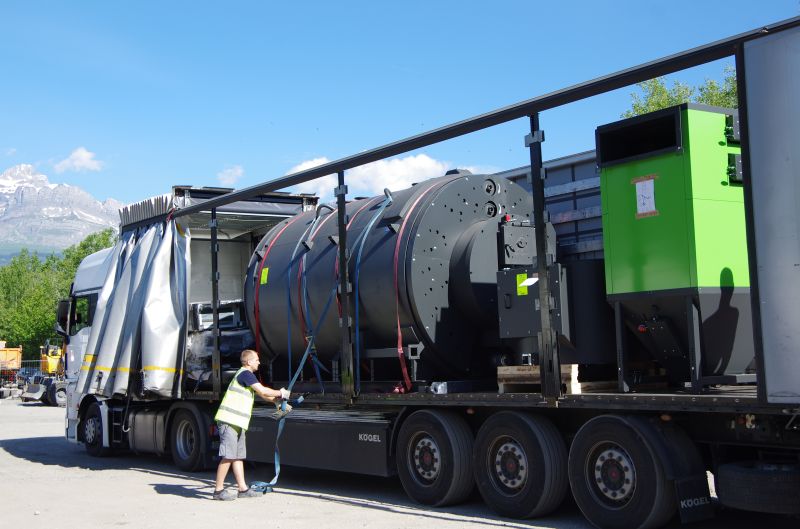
[(233, 418)]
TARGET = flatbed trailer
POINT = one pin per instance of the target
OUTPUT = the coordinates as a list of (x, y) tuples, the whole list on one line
[(632, 440)]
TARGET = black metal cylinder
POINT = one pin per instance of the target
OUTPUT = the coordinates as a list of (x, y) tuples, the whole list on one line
[(428, 267)]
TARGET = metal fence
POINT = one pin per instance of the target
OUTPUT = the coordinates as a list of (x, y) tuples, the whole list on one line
[(19, 374), (8, 375)]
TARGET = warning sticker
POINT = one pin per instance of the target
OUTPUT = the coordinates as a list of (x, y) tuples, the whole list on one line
[(522, 290), (645, 196), (264, 274)]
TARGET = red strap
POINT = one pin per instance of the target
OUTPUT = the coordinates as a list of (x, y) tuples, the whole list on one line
[(400, 355)]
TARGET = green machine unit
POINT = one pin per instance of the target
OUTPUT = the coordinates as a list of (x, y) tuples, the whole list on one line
[(674, 240)]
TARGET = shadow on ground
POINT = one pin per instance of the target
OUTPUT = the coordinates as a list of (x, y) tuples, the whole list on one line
[(385, 494)]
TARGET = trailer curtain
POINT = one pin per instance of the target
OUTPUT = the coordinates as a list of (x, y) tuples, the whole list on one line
[(138, 335)]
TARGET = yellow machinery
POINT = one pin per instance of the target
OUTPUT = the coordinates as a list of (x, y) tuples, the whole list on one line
[(10, 357), (51, 363), (50, 388)]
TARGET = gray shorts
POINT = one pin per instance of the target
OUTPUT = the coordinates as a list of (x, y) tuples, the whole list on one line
[(231, 441)]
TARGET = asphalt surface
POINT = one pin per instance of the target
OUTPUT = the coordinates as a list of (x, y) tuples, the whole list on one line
[(47, 482)]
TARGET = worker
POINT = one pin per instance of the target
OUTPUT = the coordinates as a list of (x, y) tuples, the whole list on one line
[(233, 418)]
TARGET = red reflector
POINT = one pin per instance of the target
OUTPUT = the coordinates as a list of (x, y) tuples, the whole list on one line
[(642, 328)]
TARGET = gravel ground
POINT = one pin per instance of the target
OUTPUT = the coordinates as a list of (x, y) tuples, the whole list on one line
[(46, 482)]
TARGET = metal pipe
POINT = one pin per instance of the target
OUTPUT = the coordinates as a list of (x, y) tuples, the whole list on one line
[(666, 65)]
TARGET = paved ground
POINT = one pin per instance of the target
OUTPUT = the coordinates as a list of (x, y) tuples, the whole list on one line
[(46, 482)]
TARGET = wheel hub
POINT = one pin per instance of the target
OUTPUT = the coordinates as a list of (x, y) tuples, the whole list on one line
[(427, 458), (90, 430), (614, 474), (510, 465), (185, 440)]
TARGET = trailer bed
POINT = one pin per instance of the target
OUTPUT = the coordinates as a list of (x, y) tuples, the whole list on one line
[(722, 399)]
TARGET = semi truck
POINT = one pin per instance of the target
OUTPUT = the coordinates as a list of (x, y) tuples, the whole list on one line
[(614, 325)]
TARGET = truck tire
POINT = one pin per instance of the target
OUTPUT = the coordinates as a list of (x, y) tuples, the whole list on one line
[(616, 480), (56, 395), (434, 457), (61, 397), (187, 443), (93, 432), (759, 486), (520, 463)]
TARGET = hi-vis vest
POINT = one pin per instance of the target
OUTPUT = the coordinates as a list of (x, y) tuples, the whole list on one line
[(237, 404)]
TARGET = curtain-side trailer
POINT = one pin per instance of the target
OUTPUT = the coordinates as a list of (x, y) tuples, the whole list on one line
[(612, 325)]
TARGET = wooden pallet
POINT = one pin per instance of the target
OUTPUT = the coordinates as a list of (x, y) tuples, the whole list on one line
[(527, 379)]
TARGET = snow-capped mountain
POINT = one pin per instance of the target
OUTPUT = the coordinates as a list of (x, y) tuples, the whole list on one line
[(37, 214)]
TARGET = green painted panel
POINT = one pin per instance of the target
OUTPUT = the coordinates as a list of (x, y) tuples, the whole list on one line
[(707, 149), (673, 220), (645, 252), (719, 242)]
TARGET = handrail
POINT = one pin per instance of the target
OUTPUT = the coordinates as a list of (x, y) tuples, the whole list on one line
[(666, 65)]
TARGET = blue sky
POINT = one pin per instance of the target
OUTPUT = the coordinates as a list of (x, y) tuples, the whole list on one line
[(125, 99)]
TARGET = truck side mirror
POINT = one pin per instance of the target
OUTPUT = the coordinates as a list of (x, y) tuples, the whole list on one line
[(62, 317)]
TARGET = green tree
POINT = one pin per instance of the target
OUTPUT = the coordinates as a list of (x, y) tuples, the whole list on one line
[(30, 288), (73, 255), (654, 94)]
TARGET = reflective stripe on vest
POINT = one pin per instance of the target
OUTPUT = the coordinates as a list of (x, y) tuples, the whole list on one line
[(237, 404)]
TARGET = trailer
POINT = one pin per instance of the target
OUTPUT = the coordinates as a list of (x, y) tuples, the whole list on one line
[(613, 325)]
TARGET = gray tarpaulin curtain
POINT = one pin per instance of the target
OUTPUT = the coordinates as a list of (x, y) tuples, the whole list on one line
[(165, 312), (140, 319)]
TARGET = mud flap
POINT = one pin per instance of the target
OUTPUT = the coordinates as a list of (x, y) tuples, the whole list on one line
[(694, 499)]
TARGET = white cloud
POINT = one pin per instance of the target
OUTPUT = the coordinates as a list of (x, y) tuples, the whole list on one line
[(230, 175), (11, 151), (79, 160), (371, 179), (322, 187)]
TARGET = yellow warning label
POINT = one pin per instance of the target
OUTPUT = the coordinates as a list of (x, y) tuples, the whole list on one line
[(521, 289), (264, 274)]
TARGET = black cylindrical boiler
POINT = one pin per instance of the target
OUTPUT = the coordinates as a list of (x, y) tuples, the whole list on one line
[(429, 262)]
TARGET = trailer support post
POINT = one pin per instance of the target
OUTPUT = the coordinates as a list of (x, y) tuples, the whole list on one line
[(346, 359), (622, 349), (749, 215), (215, 360), (548, 342)]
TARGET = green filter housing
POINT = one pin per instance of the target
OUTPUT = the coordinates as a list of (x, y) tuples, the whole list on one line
[(672, 201)]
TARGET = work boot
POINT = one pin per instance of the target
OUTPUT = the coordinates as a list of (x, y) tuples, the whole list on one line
[(224, 495), (250, 493)]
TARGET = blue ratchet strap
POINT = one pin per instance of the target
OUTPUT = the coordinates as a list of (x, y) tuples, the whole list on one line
[(289, 297), (362, 238), (319, 364), (267, 487), (315, 363)]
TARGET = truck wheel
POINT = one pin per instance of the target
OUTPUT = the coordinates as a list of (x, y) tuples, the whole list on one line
[(616, 481), (61, 397), (186, 442), (759, 486), (434, 457), (93, 432), (56, 396), (520, 463)]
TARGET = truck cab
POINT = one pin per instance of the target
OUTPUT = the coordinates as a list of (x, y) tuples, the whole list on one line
[(74, 323)]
